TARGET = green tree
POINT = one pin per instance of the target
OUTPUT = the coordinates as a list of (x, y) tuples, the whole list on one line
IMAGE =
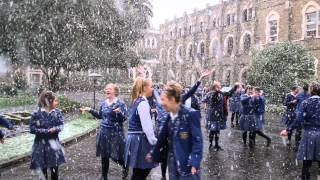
[(73, 35), (279, 67)]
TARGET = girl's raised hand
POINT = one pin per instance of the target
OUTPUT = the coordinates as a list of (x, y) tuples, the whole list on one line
[(85, 109)]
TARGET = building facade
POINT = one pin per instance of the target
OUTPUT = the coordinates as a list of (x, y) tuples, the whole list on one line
[(225, 35)]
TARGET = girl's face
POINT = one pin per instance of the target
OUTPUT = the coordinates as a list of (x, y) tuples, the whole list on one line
[(168, 103), (110, 91), (55, 103), (148, 89), (250, 92)]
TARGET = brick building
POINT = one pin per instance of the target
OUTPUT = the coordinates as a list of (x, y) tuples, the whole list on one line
[(224, 36)]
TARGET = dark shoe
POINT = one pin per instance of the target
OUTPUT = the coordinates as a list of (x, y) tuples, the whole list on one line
[(125, 173), (268, 142), (210, 146), (218, 148), (289, 143)]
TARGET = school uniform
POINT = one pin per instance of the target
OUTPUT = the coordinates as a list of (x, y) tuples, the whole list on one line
[(300, 98), (47, 151), (141, 137), (308, 118), (215, 111), (289, 115), (260, 104), (183, 132), (110, 141), (235, 103), (248, 121), (5, 123)]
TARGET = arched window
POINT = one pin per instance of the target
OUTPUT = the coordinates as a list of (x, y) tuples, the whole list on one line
[(201, 27), (180, 32), (246, 43), (190, 29), (201, 50), (190, 51), (152, 43), (215, 48), (245, 15), (214, 23), (230, 45), (312, 21), (272, 27), (148, 43)]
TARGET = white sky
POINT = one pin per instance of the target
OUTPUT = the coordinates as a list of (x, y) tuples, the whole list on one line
[(167, 9)]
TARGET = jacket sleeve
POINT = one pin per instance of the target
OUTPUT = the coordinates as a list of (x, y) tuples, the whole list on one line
[(122, 115), (60, 121), (197, 141), (34, 123), (191, 92), (298, 122), (288, 100), (5, 123), (162, 140), (160, 109), (95, 113)]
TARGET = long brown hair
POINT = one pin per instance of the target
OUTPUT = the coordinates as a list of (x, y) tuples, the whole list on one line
[(138, 87), (46, 99)]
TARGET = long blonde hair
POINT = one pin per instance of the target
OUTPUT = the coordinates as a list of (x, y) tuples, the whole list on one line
[(138, 87)]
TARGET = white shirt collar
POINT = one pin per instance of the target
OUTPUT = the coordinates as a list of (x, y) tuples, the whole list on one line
[(315, 96), (173, 116), (114, 101), (43, 109)]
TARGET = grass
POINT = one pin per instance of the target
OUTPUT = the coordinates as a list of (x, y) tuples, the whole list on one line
[(17, 101)]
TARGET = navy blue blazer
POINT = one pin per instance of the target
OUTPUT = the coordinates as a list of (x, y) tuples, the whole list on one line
[(186, 140), (308, 115)]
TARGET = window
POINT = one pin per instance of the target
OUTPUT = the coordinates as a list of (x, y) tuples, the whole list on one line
[(311, 16), (201, 26), (228, 20), (215, 49), (230, 45), (214, 23), (233, 18), (152, 43), (180, 32), (171, 35), (245, 15), (272, 28), (190, 51), (148, 43), (250, 15), (246, 43), (190, 29), (202, 49)]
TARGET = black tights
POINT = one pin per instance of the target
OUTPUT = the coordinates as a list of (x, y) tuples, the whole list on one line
[(105, 167), (260, 133), (306, 169), (252, 138), (140, 174), (235, 115), (215, 135), (164, 169), (297, 136), (54, 173)]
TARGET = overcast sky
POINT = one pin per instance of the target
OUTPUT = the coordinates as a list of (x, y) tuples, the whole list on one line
[(167, 9)]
